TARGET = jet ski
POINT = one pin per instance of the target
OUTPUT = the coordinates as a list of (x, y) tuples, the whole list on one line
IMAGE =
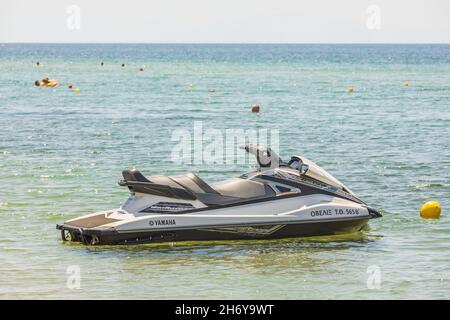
[(276, 200)]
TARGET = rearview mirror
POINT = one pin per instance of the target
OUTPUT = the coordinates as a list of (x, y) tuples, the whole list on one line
[(303, 169)]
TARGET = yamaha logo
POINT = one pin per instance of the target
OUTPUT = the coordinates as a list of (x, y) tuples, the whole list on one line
[(167, 222)]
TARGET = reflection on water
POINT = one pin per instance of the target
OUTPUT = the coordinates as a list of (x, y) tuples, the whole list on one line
[(231, 263)]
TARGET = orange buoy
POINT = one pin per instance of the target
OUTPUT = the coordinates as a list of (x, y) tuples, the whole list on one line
[(255, 108), (70, 86)]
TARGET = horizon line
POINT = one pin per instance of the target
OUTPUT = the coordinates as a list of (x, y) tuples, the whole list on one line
[(238, 43)]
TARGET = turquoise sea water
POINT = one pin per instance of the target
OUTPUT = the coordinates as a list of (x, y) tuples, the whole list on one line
[(61, 154)]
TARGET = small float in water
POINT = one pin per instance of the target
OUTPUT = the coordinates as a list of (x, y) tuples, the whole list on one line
[(46, 82)]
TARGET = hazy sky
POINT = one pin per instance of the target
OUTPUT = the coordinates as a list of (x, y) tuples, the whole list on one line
[(225, 21)]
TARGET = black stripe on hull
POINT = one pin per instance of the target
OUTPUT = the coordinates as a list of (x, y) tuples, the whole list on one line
[(273, 231)]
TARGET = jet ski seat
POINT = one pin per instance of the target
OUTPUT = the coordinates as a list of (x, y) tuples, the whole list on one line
[(194, 183), (236, 188), (243, 188), (226, 192), (134, 175)]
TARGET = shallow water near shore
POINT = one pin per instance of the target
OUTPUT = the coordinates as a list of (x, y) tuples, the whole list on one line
[(61, 154)]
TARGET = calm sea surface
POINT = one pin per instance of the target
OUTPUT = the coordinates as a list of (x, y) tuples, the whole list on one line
[(61, 154)]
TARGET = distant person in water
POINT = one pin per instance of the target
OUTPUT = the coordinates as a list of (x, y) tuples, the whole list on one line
[(123, 64), (102, 64), (46, 82), (37, 63), (40, 83)]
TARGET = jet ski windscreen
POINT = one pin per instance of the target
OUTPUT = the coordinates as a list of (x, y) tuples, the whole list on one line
[(318, 173)]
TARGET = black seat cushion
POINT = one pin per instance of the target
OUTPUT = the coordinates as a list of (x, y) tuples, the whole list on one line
[(134, 175), (194, 183)]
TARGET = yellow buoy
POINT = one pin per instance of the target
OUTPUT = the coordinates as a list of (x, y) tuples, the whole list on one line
[(350, 89), (430, 210), (406, 84), (77, 90), (190, 85)]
